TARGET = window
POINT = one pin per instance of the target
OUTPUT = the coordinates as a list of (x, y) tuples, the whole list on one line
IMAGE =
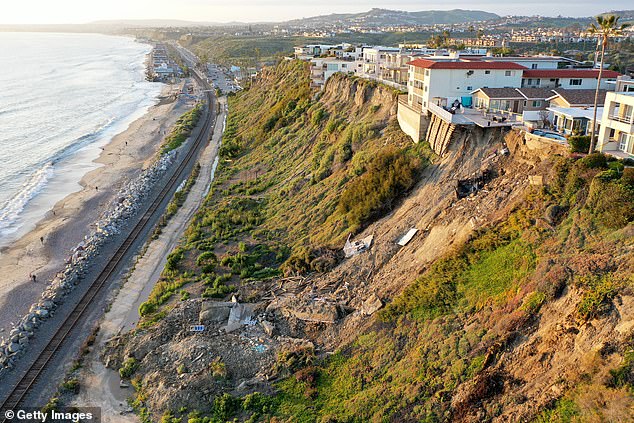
[(508, 73), (425, 88), (537, 103), (576, 81), (469, 88), (487, 72), (426, 72), (533, 65)]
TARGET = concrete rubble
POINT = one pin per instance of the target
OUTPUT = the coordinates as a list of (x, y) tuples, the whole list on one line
[(317, 310), (112, 222)]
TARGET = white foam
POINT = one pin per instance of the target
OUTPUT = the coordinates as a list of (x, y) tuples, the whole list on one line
[(11, 209)]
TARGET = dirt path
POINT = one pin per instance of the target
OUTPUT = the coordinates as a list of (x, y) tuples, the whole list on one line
[(100, 385)]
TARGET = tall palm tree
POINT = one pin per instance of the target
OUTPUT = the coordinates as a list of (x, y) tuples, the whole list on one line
[(605, 28)]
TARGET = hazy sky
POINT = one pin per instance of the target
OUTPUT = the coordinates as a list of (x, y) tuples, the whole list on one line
[(83, 11)]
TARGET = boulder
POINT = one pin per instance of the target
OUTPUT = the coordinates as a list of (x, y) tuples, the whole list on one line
[(14, 348), (371, 305)]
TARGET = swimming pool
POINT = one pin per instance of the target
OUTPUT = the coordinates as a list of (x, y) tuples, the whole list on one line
[(551, 135)]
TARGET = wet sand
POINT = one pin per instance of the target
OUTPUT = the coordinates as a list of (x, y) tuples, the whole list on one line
[(71, 218)]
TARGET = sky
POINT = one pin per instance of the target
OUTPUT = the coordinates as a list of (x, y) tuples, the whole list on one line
[(85, 11)]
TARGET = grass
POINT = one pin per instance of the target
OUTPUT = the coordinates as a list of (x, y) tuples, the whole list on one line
[(496, 273), (177, 201), (182, 129)]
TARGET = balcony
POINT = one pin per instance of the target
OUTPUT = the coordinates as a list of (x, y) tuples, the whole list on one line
[(622, 119), (402, 102)]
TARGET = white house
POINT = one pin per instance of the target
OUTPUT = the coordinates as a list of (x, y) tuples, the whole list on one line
[(583, 79), (443, 81), (323, 68), (376, 57), (312, 50), (616, 134)]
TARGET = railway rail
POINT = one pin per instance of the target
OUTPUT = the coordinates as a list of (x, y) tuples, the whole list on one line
[(17, 395)]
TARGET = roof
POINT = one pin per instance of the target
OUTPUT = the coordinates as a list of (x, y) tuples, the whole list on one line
[(468, 65), (577, 112), (536, 93), (521, 93), (500, 92), (578, 97), (569, 73)]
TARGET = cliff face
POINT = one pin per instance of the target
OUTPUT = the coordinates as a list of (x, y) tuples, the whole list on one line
[(513, 297)]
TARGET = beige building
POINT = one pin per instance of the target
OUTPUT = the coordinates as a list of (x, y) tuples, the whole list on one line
[(616, 135)]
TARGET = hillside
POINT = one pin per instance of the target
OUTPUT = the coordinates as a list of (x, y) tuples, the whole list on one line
[(511, 303), (384, 17)]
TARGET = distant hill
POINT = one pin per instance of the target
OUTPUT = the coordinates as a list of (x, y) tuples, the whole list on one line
[(385, 17)]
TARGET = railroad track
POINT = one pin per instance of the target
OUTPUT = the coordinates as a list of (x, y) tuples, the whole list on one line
[(31, 376)]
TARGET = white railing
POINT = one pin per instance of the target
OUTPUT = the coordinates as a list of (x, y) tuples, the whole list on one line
[(441, 113), (623, 119)]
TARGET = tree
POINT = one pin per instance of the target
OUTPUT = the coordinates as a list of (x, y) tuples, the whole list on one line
[(605, 28)]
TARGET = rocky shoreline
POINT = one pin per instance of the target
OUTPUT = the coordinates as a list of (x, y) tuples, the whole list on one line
[(112, 222)]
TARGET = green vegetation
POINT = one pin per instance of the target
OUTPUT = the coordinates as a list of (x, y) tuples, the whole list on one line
[(128, 368), (182, 129), (579, 143), (298, 175), (177, 201), (421, 349)]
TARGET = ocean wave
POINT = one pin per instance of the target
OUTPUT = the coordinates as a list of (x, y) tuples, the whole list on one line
[(11, 209)]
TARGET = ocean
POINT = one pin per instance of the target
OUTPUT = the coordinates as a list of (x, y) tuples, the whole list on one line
[(62, 97)]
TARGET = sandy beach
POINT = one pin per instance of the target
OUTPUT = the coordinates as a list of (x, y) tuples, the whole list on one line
[(71, 218)]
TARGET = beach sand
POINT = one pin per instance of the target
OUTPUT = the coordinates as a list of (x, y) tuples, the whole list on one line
[(71, 218)]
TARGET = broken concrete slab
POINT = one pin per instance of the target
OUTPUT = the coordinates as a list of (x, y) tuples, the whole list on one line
[(215, 311), (371, 305), (240, 314)]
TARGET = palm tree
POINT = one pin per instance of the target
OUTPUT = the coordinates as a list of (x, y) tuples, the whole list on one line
[(605, 28)]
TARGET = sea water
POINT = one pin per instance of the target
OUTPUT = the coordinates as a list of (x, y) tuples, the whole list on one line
[(62, 97)]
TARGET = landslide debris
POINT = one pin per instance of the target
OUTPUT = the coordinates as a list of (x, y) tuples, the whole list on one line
[(510, 303)]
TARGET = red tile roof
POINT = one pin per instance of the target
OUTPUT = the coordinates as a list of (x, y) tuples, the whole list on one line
[(569, 73), (432, 64)]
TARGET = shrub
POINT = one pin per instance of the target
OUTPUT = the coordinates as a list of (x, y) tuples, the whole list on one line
[(130, 365), (579, 143), (146, 308), (71, 385), (611, 200), (598, 295), (390, 173), (225, 406), (595, 161), (173, 259), (533, 302)]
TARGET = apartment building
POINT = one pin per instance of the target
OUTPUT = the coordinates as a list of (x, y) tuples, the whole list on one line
[(616, 134), (569, 78), (442, 81), (323, 68)]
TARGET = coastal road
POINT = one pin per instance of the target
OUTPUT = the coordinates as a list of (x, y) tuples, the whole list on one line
[(40, 371)]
